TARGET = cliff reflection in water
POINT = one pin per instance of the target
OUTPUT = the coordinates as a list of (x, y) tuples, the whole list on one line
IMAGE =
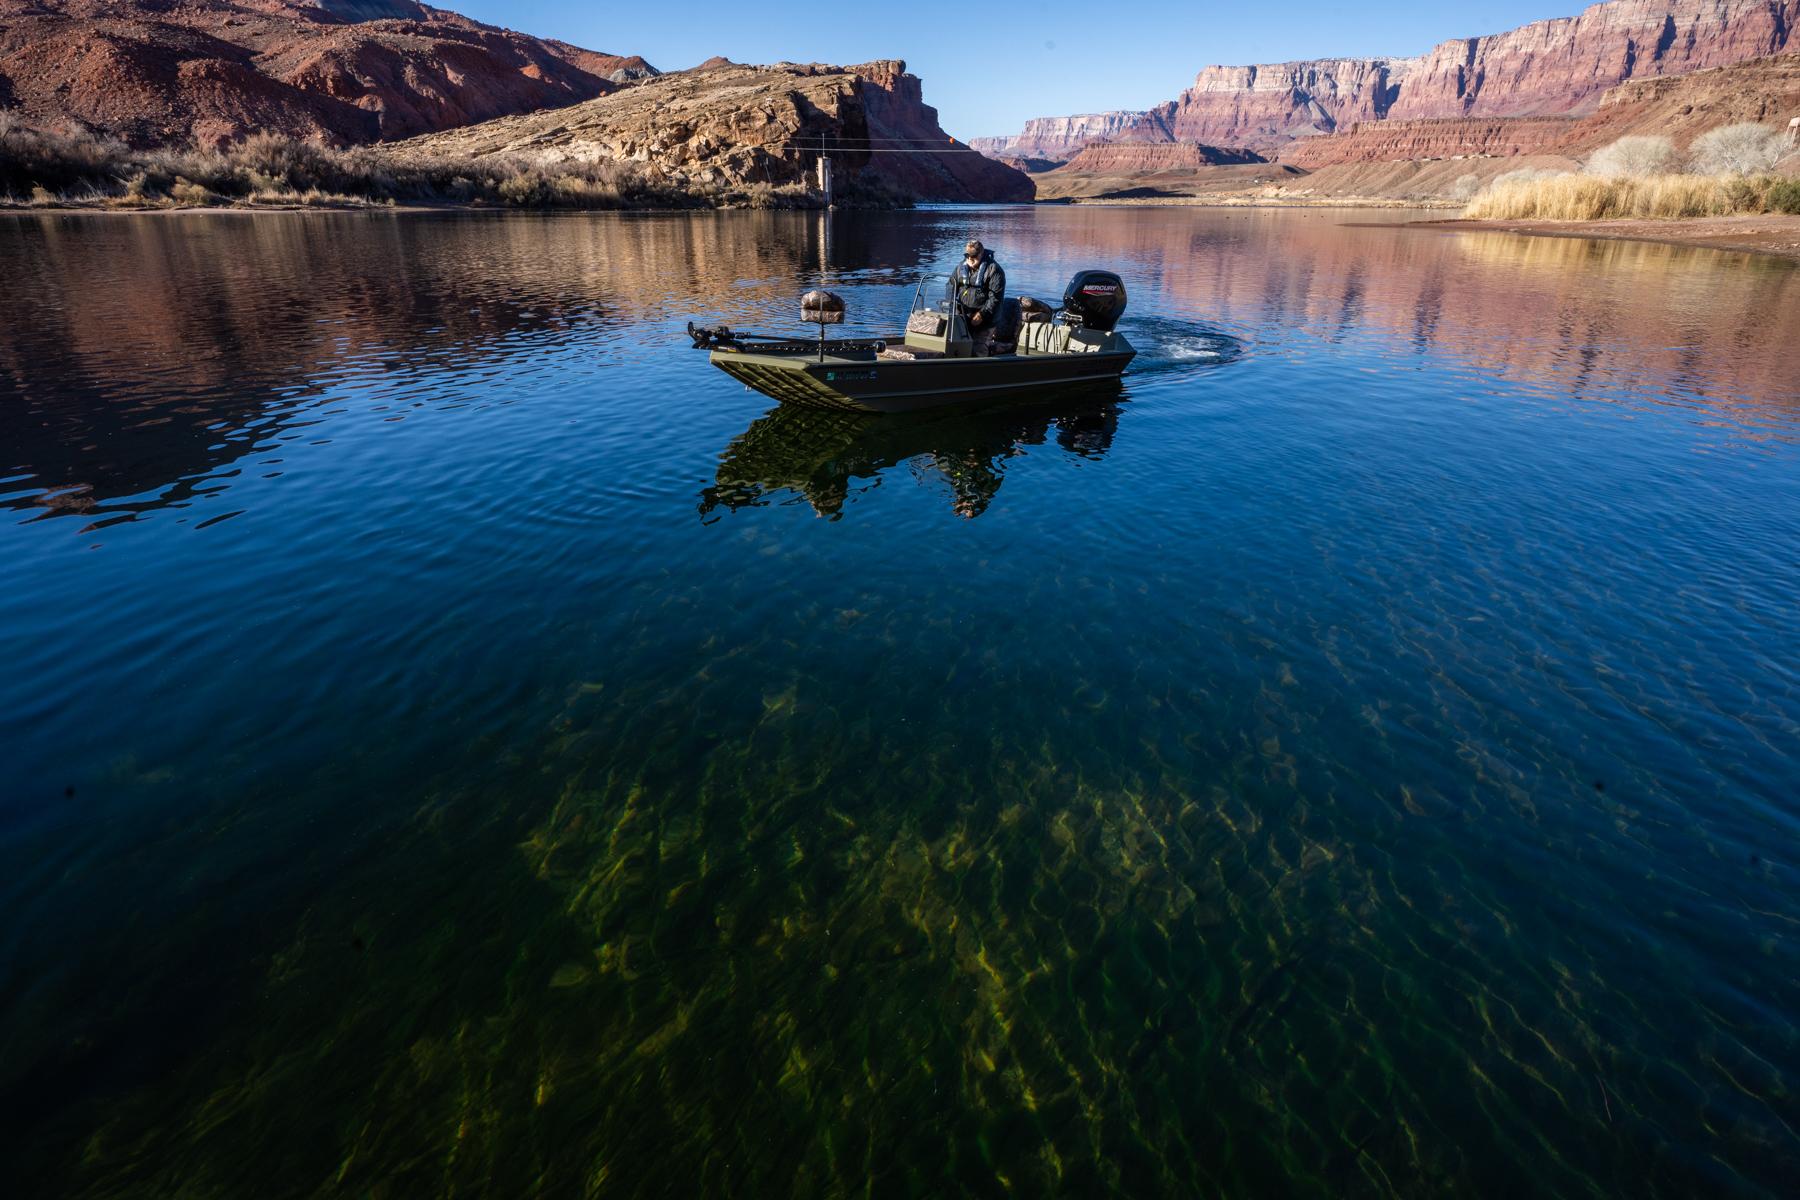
[(148, 363), (823, 456), (145, 358)]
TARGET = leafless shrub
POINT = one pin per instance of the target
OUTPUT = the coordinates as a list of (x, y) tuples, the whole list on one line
[(1634, 158), (1523, 175), (1742, 149)]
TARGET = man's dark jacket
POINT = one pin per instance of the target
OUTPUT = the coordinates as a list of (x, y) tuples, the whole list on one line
[(979, 289)]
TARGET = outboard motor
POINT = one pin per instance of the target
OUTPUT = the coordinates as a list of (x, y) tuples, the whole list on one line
[(1096, 298)]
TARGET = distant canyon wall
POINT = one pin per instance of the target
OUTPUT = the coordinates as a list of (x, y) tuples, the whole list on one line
[(1142, 158), (1556, 67), (1681, 107), (1057, 139)]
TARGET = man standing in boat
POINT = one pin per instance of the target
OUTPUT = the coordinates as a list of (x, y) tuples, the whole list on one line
[(977, 287)]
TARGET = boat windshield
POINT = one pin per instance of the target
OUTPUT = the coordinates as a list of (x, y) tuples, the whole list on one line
[(932, 294)]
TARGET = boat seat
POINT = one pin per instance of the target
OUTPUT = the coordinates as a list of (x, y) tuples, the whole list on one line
[(1043, 337)]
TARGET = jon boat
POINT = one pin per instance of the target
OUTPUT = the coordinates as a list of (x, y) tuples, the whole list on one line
[(933, 363)]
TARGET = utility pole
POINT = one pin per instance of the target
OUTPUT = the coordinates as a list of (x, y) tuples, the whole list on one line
[(825, 179)]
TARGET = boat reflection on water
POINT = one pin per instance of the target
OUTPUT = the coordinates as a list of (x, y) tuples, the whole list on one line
[(824, 457)]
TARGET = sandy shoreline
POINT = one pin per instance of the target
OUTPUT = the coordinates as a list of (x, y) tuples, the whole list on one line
[(1767, 233)]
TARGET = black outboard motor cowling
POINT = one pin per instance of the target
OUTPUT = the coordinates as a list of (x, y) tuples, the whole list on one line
[(1097, 297)]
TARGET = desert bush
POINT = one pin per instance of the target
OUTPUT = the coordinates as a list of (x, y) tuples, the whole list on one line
[(188, 194), (1523, 175), (1783, 196), (57, 162), (270, 169), (1634, 158), (1741, 149), (1465, 186)]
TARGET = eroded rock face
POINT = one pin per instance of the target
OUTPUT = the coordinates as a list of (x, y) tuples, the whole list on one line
[(1265, 106), (1448, 137), (1142, 158), (730, 126), (1547, 68), (1765, 90), (1057, 139), (155, 71)]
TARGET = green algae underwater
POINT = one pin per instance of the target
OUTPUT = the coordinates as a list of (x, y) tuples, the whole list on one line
[(1355, 759)]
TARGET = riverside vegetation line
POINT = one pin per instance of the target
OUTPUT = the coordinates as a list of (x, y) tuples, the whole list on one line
[(43, 169)]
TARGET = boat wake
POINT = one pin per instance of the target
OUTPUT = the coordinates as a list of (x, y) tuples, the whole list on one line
[(1165, 345)]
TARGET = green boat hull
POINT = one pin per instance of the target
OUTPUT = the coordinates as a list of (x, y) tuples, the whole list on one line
[(859, 380)]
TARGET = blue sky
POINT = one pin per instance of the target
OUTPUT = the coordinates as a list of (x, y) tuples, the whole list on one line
[(987, 67)]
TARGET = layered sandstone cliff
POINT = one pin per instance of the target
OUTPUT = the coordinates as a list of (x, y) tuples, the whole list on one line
[(728, 125), (346, 71), (1116, 158), (1445, 137), (1555, 67), (1765, 90), (1057, 139)]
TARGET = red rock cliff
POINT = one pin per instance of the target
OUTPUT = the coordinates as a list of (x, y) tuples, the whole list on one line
[(1547, 67), (153, 71), (728, 125), (1141, 158), (901, 123)]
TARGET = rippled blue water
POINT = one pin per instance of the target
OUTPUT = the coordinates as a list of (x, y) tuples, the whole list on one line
[(457, 742)]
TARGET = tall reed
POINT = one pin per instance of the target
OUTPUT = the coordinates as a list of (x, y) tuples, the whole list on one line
[(1598, 198)]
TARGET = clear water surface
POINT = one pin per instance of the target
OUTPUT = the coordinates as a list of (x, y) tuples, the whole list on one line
[(455, 742)]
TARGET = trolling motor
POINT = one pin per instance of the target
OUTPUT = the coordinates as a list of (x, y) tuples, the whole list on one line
[(712, 337)]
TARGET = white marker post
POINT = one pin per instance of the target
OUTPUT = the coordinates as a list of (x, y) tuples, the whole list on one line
[(825, 179)]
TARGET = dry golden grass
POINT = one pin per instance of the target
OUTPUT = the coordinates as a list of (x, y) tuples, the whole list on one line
[(1597, 198)]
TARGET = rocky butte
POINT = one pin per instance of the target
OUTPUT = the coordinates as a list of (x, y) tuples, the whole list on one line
[(729, 125), (345, 71)]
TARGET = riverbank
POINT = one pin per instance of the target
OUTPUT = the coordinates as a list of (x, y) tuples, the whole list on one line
[(1773, 234), (45, 170), (1230, 201)]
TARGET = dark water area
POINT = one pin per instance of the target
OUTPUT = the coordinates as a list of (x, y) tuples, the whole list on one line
[(453, 741)]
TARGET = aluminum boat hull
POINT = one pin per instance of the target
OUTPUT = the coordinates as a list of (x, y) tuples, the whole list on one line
[(859, 380)]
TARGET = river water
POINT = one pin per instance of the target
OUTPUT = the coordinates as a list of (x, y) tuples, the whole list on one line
[(456, 742)]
